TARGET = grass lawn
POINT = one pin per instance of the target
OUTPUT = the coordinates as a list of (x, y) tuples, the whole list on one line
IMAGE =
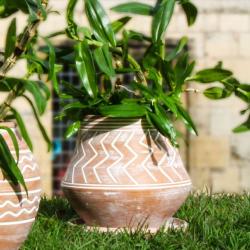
[(215, 222)]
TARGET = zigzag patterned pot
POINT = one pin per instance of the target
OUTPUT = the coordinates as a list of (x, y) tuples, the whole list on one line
[(124, 173), (17, 211)]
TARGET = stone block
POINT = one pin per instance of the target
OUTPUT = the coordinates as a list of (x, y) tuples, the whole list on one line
[(221, 45), (201, 179), (234, 22), (209, 152), (211, 22), (226, 181), (245, 178), (245, 44), (240, 145), (240, 66)]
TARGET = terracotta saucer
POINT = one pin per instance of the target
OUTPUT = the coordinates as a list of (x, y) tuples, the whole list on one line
[(171, 224)]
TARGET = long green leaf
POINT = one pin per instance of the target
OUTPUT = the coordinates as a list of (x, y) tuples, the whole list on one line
[(120, 23), (52, 59), (22, 128), (190, 11), (161, 20), (39, 123), (72, 129), (184, 115), (123, 110), (210, 75), (72, 26), (86, 69), (217, 93), (103, 59), (10, 39), (13, 138), (39, 98), (99, 21), (244, 127), (178, 49), (160, 120), (75, 105), (134, 8), (8, 164)]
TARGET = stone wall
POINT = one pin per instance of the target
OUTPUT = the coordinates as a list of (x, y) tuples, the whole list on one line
[(217, 159)]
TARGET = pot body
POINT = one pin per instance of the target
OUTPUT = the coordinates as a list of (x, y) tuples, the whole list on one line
[(17, 210), (124, 173)]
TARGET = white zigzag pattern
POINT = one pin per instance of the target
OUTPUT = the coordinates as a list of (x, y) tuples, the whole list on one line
[(171, 160), (75, 165), (33, 168), (149, 152), (22, 211), (162, 159), (133, 159), (118, 160), (25, 200), (103, 160), (91, 159), (26, 157), (146, 158)]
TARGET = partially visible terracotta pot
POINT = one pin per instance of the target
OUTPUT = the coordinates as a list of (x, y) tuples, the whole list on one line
[(124, 173), (17, 210)]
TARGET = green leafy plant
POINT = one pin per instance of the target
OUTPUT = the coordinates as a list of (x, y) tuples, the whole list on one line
[(101, 56), (22, 46)]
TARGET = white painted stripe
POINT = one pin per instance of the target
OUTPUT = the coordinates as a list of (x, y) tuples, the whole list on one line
[(118, 160), (29, 157), (16, 222), (25, 200), (91, 159), (103, 160), (22, 211), (26, 180), (20, 193), (32, 168), (110, 128), (126, 187), (133, 159), (149, 155), (21, 151), (76, 164)]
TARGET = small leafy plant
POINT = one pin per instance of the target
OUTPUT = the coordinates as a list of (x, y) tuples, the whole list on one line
[(35, 92), (101, 56)]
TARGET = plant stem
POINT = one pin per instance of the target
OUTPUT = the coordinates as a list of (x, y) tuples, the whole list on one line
[(28, 34), (139, 74)]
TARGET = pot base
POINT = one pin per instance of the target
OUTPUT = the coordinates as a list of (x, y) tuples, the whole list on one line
[(171, 224)]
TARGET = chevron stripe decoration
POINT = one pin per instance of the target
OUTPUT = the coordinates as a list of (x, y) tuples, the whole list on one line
[(121, 171), (113, 153)]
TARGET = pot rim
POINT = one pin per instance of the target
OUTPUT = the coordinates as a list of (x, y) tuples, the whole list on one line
[(101, 117)]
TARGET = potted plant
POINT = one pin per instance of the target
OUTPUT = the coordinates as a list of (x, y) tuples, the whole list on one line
[(126, 170), (20, 186)]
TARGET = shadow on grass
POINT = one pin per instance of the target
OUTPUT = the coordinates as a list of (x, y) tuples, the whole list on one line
[(57, 207)]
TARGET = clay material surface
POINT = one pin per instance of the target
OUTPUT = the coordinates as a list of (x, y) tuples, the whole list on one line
[(124, 173), (17, 210)]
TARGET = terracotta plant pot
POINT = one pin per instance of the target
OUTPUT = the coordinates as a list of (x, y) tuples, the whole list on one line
[(17, 211), (124, 173)]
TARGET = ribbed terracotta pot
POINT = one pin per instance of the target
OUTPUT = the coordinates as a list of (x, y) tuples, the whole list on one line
[(17, 211), (124, 173)]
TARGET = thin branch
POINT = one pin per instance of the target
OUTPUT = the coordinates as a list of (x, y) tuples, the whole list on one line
[(28, 34), (192, 90), (139, 74)]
